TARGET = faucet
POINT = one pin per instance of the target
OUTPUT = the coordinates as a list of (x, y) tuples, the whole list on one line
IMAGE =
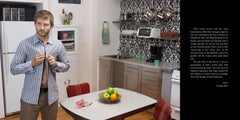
[(119, 53)]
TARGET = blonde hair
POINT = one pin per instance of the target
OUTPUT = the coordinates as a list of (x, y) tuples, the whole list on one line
[(44, 14)]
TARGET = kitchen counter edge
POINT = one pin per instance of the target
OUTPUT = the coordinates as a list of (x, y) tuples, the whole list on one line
[(166, 67)]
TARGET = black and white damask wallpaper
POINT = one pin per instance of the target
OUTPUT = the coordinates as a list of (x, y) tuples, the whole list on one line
[(131, 45)]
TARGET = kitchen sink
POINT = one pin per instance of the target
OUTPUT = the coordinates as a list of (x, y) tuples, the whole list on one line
[(118, 57)]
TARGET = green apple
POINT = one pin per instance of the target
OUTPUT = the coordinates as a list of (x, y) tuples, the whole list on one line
[(115, 92), (110, 90), (106, 96)]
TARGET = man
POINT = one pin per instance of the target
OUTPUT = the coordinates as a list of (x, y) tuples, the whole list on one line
[(39, 57)]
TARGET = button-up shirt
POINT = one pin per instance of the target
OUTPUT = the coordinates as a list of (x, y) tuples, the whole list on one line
[(22, 64)]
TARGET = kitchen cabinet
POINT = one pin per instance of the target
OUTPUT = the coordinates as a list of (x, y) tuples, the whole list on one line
[(40, 4), (118, 74), (66, 78), (68, 35), (26, 1), (111, 73), (132, 78), (105, 73), (143, 79), (151, 82)]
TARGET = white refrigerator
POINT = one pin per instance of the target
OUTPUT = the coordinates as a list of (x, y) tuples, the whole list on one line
[(11, 33)]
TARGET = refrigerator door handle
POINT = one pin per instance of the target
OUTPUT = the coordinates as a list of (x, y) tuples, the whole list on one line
[(9, 53), (6, 65), (5, 40)]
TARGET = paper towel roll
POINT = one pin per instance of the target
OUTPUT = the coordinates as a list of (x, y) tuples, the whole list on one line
[(129, 32)]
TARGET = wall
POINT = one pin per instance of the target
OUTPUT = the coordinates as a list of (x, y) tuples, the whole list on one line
[(104, 10), (89, 16), (81, 18), (131, 45)]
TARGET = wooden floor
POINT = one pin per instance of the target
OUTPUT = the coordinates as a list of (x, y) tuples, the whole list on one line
[(62, 115)]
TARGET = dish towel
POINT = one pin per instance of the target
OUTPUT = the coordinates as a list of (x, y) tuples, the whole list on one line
[(105, 33)]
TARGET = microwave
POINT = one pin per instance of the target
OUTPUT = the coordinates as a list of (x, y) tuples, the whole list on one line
[(147, 32)]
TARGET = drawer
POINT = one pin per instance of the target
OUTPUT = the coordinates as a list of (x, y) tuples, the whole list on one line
[(105, 62), (118, 65), (157, 73), (151, 83), (132, 68)]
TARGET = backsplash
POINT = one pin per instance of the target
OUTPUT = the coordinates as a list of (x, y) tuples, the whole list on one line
[(131, 45)]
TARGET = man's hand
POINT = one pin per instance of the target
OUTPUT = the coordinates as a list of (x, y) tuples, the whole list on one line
[(51, 60), (38, 59)]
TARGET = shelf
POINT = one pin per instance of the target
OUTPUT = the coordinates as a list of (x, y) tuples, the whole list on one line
[(119, 21), (170, 38), (170, 35), (115, 21), (68, 35)]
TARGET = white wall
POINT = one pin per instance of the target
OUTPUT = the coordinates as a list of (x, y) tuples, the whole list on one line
[(104, 10), (81, 18), (89, 16)]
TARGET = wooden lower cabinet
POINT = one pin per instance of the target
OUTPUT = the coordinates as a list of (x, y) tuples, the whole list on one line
[(151, 82), (118, 74), (105, 73), (141, 79), (132, 77)]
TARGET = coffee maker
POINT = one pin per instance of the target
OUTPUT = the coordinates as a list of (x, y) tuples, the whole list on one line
[(155, 54)]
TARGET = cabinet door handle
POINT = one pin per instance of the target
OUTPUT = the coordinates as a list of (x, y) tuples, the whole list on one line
[(133, 68), (149, 79), (149, 71), (66, 82), (125, 80)]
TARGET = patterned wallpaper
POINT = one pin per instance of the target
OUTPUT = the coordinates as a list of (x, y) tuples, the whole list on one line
[(131, 45)]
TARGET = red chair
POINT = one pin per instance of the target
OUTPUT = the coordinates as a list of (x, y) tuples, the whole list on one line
[(162, 110), (78, 89)]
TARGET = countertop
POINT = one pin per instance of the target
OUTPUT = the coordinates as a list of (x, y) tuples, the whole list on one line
[(167, 67)]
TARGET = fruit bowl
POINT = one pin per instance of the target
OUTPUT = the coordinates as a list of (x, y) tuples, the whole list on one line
[(107, 100)]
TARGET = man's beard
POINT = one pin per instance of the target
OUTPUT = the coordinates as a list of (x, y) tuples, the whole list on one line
[(43, 33)]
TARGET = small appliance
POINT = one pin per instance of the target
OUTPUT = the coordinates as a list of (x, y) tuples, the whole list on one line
[(147, 32), (156, 53)]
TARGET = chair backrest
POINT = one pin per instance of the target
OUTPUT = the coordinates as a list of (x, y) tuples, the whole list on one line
[(78, 89), (162, 110)]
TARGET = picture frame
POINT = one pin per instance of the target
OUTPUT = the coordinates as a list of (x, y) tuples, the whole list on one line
[(70, 1)]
